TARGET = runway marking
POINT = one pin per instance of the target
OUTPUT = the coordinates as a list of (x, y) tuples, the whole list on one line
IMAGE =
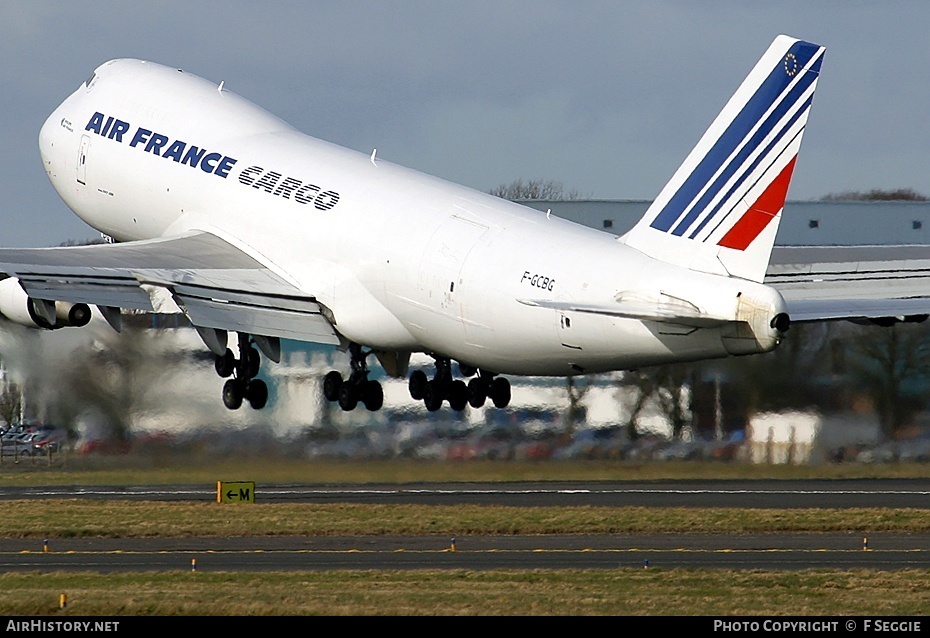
[(593, 492), (586, 491)]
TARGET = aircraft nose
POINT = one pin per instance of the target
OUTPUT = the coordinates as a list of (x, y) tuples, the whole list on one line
[(51, 143)]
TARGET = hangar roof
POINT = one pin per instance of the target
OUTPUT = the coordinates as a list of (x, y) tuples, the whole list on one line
[(803, 223)]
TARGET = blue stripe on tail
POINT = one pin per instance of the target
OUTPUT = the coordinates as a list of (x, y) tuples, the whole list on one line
[(748, 170), (768, 93)]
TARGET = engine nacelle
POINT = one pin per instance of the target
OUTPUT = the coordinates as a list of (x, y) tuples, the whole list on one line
[(16, 306)]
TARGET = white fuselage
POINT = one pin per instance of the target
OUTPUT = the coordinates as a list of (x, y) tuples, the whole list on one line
[(403, 261)]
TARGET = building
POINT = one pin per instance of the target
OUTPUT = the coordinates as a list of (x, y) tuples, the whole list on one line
[(803, 223)]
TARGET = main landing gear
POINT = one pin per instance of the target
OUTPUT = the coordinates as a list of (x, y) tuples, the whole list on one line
[(357, 388), (443, 387), (243, 384)]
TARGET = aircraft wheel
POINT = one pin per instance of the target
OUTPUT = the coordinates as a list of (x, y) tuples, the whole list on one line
[(257, 394), (477, 392), (458, 395), (348, 397), (331, 384), (500, 392), (417, 385), (225, 364), (232, 394), (373, 396), (432, 395)]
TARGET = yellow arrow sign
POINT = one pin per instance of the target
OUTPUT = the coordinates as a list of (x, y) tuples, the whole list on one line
[(235, 492)]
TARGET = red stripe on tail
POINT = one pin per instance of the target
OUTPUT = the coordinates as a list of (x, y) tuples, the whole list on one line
[(764, 210)]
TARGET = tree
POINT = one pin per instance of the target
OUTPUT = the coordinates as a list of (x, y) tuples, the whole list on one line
[(535, 189), (876, 195), (827, 367), (891, 365), (11, 405), (803, 373), (119, 377), (575, 413), (664, 387)]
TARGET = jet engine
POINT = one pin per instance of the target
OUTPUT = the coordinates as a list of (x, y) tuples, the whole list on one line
[(16, 306)]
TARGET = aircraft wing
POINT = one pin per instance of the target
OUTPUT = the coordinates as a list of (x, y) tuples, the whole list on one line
[(218, 285), (852, 282)]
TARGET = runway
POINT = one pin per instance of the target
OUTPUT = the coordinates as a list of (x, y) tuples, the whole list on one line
[(749, 551), (754, 551), (757, 493)]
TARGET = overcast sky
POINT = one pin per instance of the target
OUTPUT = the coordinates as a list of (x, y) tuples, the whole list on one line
[(606, 97)]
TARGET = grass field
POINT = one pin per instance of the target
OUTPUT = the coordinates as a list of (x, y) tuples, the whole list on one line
[(608, 592), (616, 591), (154, 469)]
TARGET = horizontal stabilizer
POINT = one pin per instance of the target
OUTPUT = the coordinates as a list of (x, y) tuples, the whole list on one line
[(804, 310), (679, 312), (823, 283)]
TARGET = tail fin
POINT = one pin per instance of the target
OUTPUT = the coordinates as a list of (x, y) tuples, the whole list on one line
[(720, 211)]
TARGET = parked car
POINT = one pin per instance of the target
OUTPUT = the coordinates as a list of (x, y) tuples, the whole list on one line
[(31, 439), (47, 442), (17, 443)]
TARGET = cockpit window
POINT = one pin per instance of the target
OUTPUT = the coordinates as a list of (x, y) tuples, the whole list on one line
[(90, 80)]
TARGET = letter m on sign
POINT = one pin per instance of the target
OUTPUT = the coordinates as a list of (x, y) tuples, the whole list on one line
[(235, 492)]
